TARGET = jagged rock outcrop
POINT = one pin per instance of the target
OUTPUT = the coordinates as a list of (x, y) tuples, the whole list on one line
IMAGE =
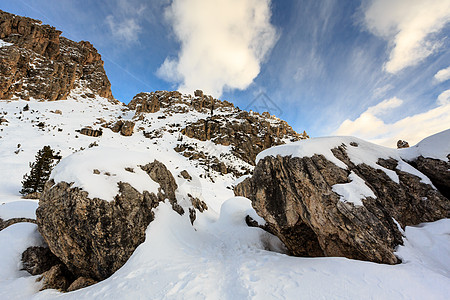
[(9, 222), (145, 103), (43, 65), (94, 237), (437, 170), (91, 132), (295, 197)]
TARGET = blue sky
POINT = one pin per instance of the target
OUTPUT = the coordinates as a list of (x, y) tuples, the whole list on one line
[(377, 69)]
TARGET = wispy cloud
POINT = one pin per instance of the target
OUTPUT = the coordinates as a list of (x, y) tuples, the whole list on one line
[(408, 26), (223, 43), (124, 24), (443, 75), (369, 125)]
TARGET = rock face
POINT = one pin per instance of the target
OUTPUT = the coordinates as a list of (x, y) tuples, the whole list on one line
[(295, 197), (37, 260), (43, 65), (144, 103), (124, 127), (93, 237), (438, 172)]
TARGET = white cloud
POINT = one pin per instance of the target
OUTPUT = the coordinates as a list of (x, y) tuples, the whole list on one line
[(444, 98), (408, 25), (125, 30), (223, 43), (443, 75), (413, 129), (124, 24)]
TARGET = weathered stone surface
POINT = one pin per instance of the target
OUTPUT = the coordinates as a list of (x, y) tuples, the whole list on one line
[(125, 128), (9, 222), (34, 195), (93, 237), (145, 103), (81, 282), (295, 197), (91, 132), (248, 133), (37, 260), (58, 277), (437, 170), (43, 65), (186, 175)]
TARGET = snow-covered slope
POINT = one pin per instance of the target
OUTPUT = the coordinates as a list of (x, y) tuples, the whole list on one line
[(219, 257)]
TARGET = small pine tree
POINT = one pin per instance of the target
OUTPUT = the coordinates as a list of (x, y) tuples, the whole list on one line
[(40, 171)]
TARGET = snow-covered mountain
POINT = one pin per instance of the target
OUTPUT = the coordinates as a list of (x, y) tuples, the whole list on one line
[(201, 247)]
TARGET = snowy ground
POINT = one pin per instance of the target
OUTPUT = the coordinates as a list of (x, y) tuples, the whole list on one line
[(217, 258)]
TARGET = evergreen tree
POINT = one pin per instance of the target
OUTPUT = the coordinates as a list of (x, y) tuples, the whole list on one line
[(40, 171)]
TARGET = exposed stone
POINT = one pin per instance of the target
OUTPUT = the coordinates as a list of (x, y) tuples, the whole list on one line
[(437, 170), (58, 278), (198, 204), (402, 144), (34, 195), (93, 237), (198, 93), (186, 175), (145, 103), (37, 260), (127, 128), (43, 65), (295, 197), (91, 132), (81, 282), (9, 222)]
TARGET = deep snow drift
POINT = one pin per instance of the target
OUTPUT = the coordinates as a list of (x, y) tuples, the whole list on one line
[(220, 257)]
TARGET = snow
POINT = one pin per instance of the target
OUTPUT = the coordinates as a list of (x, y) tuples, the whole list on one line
[(364, 152), (436, 146), (18, 209), (4, 44), (219, 257), (354, 191), (79, 167)]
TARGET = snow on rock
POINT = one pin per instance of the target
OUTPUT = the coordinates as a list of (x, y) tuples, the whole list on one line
[(4, 44), (354, 191), (358, 151), (99, 170), (436, 146)]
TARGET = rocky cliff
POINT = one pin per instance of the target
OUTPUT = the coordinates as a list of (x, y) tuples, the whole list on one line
[(38, 63)]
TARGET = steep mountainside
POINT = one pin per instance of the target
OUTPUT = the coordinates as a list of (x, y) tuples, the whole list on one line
[(36, 62)]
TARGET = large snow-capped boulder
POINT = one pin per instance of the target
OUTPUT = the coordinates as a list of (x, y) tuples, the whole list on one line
[(432, 157), (95, 210), (340, 196)]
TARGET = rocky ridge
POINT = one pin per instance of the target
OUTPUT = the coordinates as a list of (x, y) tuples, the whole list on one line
[(41, 64)]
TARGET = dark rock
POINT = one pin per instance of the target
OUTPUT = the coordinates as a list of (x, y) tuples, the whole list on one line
[(295, 197), (402, 144), (438, 172), (58, 278), (81, 282), (93, 237), (37, 260), (34, 195), (127, 128), (186, 175), (198, 204), (198, 93), (91, 132), (9, 222)]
